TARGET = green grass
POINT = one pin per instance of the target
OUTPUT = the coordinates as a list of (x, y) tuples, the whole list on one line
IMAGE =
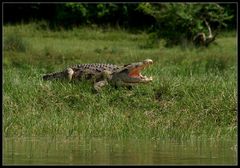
[(194, 92)]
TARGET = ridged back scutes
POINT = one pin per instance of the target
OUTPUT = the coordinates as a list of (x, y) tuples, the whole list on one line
[(97, 67)]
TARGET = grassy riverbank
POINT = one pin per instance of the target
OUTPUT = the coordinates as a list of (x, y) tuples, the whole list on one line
[(194, 92)]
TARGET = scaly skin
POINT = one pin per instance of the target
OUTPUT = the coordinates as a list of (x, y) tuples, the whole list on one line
[(103, 74)]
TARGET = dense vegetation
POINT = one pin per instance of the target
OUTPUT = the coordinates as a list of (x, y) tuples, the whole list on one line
[(193, 93), (124, 14), (176, 23)]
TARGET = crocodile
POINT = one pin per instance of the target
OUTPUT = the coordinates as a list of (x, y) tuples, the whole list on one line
[(104, 74)]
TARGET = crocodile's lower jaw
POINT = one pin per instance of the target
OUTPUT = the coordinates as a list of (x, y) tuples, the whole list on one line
[(142, 79), (147, 79)]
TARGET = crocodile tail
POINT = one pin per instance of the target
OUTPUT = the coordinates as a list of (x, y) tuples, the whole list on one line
[(55, 75)]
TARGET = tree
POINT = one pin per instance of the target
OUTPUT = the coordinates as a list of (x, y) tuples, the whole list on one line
[(196, 23)]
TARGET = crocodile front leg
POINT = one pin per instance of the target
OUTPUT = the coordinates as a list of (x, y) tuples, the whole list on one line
[(98, 85), (102, 80)]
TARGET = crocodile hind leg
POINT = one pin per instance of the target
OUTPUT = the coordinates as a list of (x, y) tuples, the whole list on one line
[(70, 73)]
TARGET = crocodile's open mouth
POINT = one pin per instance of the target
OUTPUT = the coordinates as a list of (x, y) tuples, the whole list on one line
[(135, 72)]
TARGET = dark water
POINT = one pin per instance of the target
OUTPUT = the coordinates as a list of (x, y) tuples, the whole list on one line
[(62, 151)]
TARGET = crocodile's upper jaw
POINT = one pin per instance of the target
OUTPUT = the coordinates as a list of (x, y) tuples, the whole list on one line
[(131, 73), (136, 68)]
